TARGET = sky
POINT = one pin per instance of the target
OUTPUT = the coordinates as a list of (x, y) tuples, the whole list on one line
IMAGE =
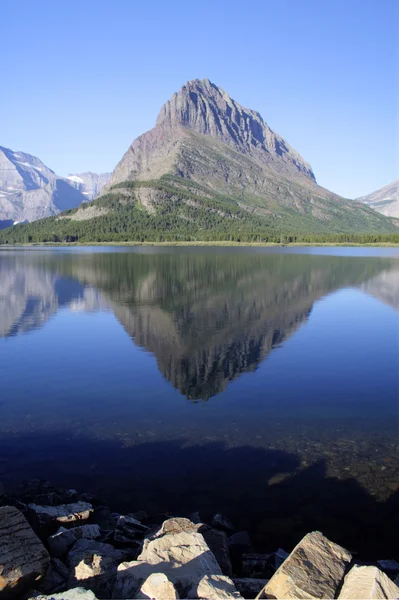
[(81, 79)]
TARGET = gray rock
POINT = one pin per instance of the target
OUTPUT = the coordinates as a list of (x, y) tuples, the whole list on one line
[(221, 522), (93, 565), (128, 530), (78, 593), (368, 582), (249, 587), (63, 539), (55, 580), (23, 558), (314, 569), (158, 587), (89, 184), (214, 587), (64, 513), (389, 565), (217, 542), (183, 556), (279, 557)]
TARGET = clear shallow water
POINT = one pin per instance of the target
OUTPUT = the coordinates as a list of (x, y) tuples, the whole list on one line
[(260, 382)]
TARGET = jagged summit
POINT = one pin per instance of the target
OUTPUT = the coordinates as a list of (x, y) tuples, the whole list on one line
[(202, 106)]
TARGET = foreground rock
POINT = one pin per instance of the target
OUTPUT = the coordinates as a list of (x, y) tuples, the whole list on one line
[(74, 594), (314, 569), (183, 556), (61, 542), (368, 582), (64, 513), (249, 587), (214, 587), (23, 558), (56, 578), (158, 587), (93, 565)]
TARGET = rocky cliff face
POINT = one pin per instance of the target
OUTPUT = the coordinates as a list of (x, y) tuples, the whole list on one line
[(29, 190), (89, 184), (385, 200)]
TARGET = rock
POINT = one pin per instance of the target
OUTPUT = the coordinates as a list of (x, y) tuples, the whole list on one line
[(128, 530), (94, 565), (279, 557), (183, 556), (368, 582), (64, 513), (177, 525), (314, 569), (61, 542), (195, 517), (392, 566), (239, 543), (214, 587), (158, 587), (249, 587), (78, 593), (23, 558), (220, 522), (55, 579), (256, 563), (217, 542)]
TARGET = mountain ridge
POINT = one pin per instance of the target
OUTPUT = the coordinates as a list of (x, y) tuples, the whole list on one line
[(385, 200)]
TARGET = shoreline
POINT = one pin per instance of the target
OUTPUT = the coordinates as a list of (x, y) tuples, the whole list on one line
[(220, 244)]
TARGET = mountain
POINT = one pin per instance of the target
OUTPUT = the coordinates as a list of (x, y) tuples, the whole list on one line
[(89, 184), (385, 200), (29, 190), (210, 169)]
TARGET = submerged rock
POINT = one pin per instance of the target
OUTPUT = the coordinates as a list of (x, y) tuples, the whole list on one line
[(249, 587), (63, 539), (368, 582), (314, 569), (221, 522), (158, 587), (23, 558)]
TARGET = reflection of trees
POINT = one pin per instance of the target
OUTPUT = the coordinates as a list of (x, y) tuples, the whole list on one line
[(207, 317)]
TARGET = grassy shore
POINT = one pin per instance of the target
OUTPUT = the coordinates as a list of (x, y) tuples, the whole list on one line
[(210, 244)]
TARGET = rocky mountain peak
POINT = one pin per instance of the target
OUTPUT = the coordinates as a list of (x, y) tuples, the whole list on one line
[(202, 106)]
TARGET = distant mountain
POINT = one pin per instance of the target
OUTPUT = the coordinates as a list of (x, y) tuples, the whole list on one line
[(89, 184), (29, 190), (385, 200), (210, 169)]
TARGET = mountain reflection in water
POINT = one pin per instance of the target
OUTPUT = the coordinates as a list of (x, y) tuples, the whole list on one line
[(206, 318)]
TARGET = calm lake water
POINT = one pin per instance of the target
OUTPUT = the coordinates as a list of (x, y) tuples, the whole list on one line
[(263, 383)]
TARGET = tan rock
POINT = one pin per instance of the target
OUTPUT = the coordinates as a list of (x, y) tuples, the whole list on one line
[(158, 587), (182, 555), (73, 594), (23, 558), (215, 587), (314, 569), (368, 582)]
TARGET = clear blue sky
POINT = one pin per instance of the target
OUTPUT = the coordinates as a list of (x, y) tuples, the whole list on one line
[(82, 78)]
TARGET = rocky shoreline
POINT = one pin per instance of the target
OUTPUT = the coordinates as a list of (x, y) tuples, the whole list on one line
[(58, 543)]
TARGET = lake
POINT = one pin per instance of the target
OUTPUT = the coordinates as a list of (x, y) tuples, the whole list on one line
[(259, 382)]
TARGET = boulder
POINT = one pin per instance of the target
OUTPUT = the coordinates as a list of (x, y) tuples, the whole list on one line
[(128, 530), (64, 513), (158, 587), (368, 582), (249, 587), (74, 594), (61, 542), (390, 566), (254, 562), (183, 556), (23, 558), (217, 542), (93, 565), (55, 580), (221, 522), (214, 587), (314, 569)]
